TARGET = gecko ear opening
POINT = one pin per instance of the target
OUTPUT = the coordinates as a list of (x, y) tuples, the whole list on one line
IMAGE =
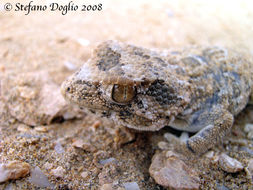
[(123, 94)]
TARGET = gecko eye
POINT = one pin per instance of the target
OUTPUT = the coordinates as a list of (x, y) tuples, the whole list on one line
[(123, 94)]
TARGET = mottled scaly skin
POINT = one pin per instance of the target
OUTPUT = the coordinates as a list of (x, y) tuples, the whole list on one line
[(196, 89)]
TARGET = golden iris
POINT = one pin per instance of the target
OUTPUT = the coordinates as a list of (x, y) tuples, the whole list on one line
[(123, 93)]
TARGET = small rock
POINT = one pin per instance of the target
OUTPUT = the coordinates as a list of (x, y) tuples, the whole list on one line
[(33, 98), (209, 154), (84, 174), (229, 164), (163, 145), (27, 92), (246, 149), (171, 139), (96, 124), (70, 66), (215, 158), (123, 135), (249, 129), (184, 136), (42, 129), (23, 128), (58, 172), (58, 148), (221, 187), (109, 173), (38, 178), (170, 153), (103, 162), (48, 165), (108, 186), (131, 186), (79, 143), (13, 170), (249, 169), (172, 172)]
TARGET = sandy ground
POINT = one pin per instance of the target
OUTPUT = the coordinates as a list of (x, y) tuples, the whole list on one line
[(48, 41)]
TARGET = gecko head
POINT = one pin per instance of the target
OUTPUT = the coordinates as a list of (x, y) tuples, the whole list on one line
[(119, 82), (146, 105), (97, 94)]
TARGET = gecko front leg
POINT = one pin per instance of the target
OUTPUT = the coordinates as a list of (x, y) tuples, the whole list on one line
[(209, 136)]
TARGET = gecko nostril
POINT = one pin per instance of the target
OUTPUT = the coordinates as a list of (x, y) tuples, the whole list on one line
[(68, 89)]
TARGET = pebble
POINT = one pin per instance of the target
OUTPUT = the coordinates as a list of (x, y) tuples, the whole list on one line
[(84, 174), (209, 154), (109, 173), (170, 153), (249, 130), (39, 179), (70, 66), (246, 149), (123, 135), (96, 124), (59, 172), (103, 162), (229, 164), (108, 186), (23, 128), (58, 148), (42, 129), (172, 172), (184, 136), (131, 186), (13, 170), (79, 143), (221, 187), (48, 165), (163, 145), (171, 139), (249, 169), (27, 92)]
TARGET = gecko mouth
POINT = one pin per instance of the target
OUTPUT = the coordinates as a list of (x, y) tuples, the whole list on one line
[(65, 88)]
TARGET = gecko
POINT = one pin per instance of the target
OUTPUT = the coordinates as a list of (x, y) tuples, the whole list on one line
[(194, 89)]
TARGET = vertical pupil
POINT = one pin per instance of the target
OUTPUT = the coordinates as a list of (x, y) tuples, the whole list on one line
[(125, 92)]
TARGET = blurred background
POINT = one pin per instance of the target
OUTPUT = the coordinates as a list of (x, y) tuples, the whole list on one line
[(49, 40)]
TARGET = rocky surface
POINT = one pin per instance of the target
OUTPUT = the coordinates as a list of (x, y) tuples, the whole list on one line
[(74, 150), (39, 179), (29, 98), (229, 164), (170, 171), (13, 170)]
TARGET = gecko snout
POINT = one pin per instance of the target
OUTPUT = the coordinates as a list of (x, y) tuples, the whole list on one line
[(66, 89)]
